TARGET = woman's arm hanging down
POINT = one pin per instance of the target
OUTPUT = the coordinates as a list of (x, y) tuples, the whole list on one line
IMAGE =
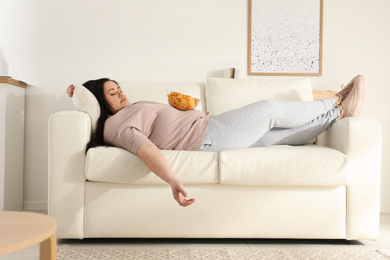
[(157, 163)]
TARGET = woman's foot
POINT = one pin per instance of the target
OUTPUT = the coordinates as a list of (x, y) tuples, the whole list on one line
[(341, 95), (352, 104)]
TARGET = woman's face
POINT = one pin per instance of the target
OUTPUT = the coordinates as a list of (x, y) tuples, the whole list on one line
[(115, 98)]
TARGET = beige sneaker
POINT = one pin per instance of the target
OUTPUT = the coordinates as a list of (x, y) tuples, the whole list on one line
[(341, 95), (352, 104)]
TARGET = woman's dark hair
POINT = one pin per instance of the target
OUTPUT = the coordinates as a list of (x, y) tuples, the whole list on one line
[(96, 87)]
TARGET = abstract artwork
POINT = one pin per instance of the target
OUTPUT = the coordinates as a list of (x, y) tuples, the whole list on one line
[(285, 37)]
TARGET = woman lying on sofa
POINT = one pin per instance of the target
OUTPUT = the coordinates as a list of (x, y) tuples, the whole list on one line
[(145, 127)]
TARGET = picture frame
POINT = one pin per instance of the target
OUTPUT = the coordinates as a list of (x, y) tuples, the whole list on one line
[(285, 37)]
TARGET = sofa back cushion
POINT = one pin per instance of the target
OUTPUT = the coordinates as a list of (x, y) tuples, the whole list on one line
[(225, 94), (157, 92)]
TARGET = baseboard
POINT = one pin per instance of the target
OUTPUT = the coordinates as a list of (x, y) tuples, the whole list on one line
[(34, 205)]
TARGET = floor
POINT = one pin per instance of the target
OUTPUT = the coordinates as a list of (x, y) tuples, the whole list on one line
[(383, 242)]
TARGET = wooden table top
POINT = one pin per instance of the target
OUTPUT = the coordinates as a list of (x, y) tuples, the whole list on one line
[(12, 81), (19, 230)]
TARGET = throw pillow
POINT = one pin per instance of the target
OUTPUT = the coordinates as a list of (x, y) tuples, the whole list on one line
[(85, 101)]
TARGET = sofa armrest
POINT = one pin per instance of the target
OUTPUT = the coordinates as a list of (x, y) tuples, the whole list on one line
[(361, 140), (69, 132)]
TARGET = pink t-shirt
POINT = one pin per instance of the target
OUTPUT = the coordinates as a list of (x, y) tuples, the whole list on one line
[(167, 127)]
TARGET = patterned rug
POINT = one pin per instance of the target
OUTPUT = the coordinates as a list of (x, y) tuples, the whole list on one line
[(66, 253)]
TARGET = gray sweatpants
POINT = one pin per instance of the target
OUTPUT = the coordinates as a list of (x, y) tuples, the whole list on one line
[(269, 122)]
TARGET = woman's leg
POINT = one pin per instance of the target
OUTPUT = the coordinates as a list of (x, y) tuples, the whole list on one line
[(242, 127), (301, 134)]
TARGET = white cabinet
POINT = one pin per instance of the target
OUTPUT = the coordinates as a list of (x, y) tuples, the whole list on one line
[(12, 97)]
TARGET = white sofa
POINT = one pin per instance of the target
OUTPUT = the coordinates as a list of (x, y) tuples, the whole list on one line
[(327, 189)]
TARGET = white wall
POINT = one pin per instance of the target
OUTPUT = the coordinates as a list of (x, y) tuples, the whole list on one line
[(50, 44)]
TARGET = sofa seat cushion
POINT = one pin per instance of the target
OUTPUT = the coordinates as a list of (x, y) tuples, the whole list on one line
[(282, 165), (116, 165)]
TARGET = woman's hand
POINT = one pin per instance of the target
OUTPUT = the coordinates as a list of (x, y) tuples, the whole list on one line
[(180, 194), (70, 90)]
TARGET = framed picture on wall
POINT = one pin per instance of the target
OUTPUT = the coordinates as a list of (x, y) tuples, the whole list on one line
[(285, 37)]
